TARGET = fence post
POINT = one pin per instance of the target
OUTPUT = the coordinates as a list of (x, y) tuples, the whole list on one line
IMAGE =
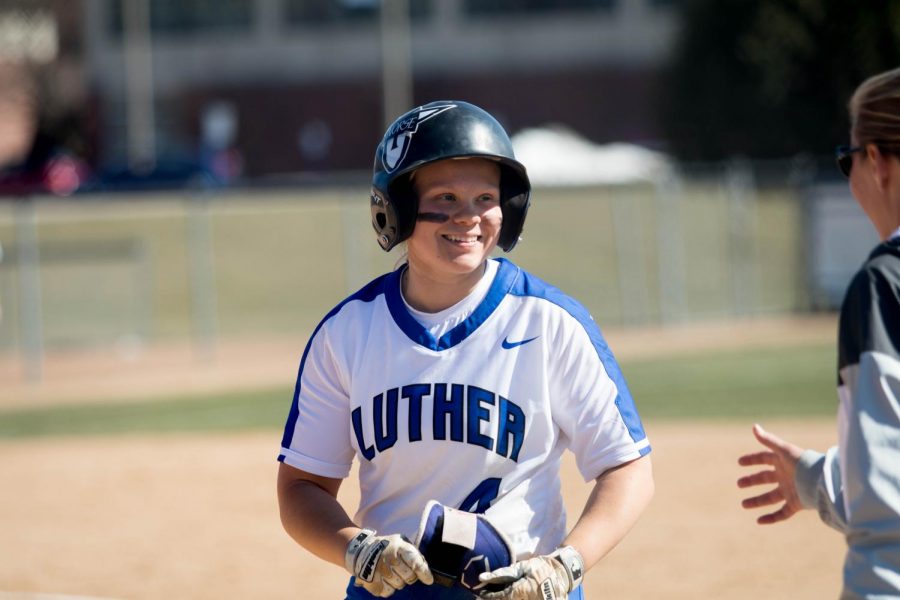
[(670, 250), (740, 189), (201, 263), (30, 309), (352, 219), (143, 285), (629, 244)]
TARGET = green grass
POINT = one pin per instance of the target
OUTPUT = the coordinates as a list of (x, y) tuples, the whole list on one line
[(761, 383), (264, 409), (753, 384)]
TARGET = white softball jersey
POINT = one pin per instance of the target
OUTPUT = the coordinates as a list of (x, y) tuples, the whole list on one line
[(476, 418)]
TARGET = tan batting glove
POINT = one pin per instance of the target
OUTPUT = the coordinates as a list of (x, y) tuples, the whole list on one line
[(549, 577), (385, 564)]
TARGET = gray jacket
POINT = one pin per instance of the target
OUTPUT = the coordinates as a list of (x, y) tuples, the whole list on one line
[(855, 486)]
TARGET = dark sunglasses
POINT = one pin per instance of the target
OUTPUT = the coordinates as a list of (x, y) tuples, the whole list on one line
[(844, 157)]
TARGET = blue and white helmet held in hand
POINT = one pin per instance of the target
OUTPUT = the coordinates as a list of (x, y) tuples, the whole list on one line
[(433, 132), (459, 546)]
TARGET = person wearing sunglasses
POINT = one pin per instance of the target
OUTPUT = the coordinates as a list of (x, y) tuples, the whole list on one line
[(855, 486)]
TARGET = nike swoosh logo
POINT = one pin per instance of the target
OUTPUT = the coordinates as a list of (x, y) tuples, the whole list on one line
[(507, 345)]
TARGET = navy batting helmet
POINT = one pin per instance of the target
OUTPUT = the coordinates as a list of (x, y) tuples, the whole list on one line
[(433, 132), (459, 546)]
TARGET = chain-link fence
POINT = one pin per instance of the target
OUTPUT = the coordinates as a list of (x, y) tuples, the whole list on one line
[(718, 242)]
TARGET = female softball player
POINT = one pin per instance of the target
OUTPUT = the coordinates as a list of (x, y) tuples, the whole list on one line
[(458, 381), (855, 486)]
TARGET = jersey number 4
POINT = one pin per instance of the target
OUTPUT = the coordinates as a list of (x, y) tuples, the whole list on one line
[(481, 497)]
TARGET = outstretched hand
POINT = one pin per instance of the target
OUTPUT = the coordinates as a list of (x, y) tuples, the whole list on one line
[(783, 457)]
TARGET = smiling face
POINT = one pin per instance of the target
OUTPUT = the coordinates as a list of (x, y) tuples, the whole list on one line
[(459, 218)]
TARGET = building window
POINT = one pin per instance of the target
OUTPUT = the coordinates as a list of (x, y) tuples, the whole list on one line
[(525, 7), (189, 16), (338, 12)]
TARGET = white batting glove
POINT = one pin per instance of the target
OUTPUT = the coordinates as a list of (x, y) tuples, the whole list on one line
[(385, 564), (549, 577)]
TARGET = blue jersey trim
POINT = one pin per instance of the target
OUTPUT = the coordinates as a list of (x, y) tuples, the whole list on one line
[(529, 285), (367, 294), (506, 274), (510, 279)]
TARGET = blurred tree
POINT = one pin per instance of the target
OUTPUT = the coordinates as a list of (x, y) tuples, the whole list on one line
[(771, 78)]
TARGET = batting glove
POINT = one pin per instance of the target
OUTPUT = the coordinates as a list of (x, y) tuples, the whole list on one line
[(385, 564), (549, 577)]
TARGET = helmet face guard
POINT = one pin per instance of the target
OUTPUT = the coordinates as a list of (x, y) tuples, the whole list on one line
[(433, 132)]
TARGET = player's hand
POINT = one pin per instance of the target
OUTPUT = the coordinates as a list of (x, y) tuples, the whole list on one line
[(783, 457), (540, 578), (385, 564)]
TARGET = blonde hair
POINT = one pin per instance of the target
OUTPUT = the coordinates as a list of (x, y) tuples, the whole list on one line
[(875, 112)]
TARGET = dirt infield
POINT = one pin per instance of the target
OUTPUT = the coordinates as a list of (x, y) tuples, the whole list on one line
[(196, 517)]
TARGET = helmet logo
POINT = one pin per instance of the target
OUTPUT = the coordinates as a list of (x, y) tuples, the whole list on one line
[(399, 136)]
